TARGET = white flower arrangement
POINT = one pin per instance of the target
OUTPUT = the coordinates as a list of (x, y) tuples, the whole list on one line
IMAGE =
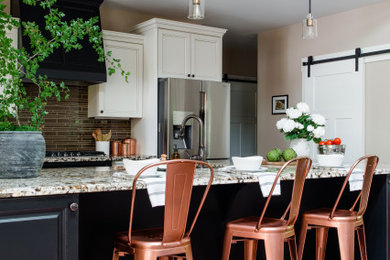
[(301, 124)]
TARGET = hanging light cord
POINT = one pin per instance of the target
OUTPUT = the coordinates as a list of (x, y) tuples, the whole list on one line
[(309, 6)]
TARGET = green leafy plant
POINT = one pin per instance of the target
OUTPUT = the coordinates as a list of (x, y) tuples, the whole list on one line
[(16, 64)]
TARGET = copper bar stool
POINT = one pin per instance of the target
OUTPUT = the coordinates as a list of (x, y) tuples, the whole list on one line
[(273, 231), (345, 221), (172, 239)]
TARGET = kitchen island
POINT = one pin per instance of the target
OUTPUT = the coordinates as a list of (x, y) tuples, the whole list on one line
[(44, 211), (59, 181)]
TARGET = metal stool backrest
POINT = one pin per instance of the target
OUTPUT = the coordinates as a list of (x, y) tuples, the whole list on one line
[(178, 190), (372, 162), (303, 165)]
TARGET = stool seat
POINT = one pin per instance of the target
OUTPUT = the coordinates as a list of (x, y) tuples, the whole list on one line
[(146, 238), (267, 225), (339, 214)]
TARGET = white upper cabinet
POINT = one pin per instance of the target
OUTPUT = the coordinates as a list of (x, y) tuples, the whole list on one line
[(173, 54), (206, 57), (117, 98), (183, 50)]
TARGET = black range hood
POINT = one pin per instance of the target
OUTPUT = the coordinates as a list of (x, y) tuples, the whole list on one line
[(77, 67)]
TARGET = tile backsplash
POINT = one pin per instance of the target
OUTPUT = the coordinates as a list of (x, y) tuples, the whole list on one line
[(67, 126)]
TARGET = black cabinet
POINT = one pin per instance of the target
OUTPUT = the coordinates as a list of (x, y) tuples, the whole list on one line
[(39, 228)]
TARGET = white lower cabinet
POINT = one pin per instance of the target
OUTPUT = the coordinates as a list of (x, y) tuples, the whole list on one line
[(117, 98)]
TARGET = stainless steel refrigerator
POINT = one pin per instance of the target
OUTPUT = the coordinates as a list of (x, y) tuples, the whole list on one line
[(206, 100)]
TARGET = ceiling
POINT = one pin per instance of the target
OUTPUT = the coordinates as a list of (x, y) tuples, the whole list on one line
[(244, 18)]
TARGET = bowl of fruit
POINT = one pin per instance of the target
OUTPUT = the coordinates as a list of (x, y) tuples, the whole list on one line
[(331, 153)]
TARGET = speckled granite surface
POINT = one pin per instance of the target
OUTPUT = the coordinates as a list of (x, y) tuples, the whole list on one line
[(78, 159), (95, 158), (99, 179)]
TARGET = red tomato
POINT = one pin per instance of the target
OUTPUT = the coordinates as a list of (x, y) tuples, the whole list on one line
[(321, 143), (329, 142), (337, 141)]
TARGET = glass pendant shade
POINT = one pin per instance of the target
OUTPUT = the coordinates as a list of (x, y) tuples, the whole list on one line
[(309, 27), (196, 9)]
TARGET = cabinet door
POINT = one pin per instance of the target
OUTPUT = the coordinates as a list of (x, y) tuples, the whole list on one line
[(173, 54), (117, 98), (121, 98), (206, 57), (43, 228)]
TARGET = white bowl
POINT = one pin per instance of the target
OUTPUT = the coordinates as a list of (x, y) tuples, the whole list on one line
[(133, 166), (250, 163), (330, 160)]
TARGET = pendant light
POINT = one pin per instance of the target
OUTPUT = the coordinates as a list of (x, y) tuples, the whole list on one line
[(309, 26), (196, 9)]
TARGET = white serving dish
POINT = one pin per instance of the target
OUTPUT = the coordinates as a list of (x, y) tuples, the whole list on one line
[(134, 166), (330, 160), (250, 163)]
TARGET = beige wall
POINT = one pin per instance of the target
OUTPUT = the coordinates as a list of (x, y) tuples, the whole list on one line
[(280, 52), (120, 19)]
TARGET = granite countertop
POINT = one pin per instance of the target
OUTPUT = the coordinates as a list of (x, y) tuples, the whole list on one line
[(96, 158), (58, 181)]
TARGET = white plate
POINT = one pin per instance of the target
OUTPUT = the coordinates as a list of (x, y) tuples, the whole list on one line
[(261, 169)]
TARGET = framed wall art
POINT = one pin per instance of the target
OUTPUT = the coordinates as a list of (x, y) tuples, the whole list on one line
[(279, 104)]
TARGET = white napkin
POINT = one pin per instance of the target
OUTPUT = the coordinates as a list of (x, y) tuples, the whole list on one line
[(266, 180), (356, 180), (156, 190), (133, 166)]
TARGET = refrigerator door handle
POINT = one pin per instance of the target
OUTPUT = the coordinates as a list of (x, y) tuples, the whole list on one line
[(202, 105)]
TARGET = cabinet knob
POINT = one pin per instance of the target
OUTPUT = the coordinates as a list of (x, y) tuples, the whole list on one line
[(193, 75), (101, 111), (188, 75), (74, 206)]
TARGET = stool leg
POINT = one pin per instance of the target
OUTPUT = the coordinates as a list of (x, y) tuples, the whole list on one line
[(227, 243), (346, 235), (250, 249), (302, 237), (141, 254), (115, 254), (321, 237), (188, 250), (292, 245), (361, 234), (274, 247)]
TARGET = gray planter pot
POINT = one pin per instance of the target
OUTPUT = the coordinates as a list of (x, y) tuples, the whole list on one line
[(21, 154)]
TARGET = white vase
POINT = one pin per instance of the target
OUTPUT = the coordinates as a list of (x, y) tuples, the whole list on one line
[(103, 146), (301, 146)]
